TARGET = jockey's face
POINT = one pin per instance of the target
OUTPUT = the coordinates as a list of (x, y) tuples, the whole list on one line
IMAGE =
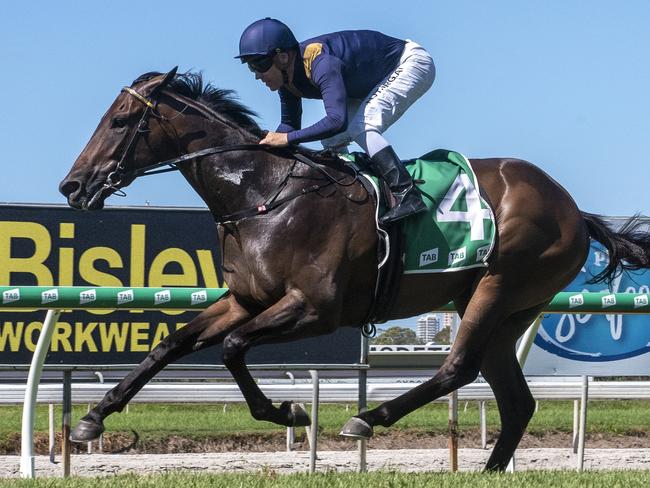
[(273, 77)]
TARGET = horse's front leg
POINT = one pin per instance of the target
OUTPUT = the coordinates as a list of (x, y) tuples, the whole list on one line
[(285, 320), (206, 329)]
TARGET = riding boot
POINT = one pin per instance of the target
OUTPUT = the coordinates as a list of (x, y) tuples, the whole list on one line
[(408, 200)]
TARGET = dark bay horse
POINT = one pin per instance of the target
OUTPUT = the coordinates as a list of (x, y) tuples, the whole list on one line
[(309, 265)]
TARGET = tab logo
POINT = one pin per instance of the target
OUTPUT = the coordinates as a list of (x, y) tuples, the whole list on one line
[(608, 301), (11, 295), (482, 252), (125, 297), (87, 296), (50, 296), (641, 301), (199, 297), (576, 301), (457, 255), (162, 297), (429, 257)]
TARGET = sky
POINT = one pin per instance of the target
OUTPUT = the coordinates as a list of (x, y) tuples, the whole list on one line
[(560, 83)]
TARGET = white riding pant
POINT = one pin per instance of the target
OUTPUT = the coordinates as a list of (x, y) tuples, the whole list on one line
[(388, 101)]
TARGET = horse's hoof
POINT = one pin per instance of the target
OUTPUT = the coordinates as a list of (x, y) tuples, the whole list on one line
[(357, 429), (300, 416), (86, 431)]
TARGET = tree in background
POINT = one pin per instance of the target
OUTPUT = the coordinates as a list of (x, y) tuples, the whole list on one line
[(397, 336), (443, 336)]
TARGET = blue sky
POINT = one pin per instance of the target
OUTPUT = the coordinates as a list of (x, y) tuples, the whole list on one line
[(563, 84)]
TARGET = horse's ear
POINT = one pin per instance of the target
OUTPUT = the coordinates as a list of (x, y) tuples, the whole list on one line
[(166, 80)]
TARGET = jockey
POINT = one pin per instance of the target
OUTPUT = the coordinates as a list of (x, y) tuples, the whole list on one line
[(366, 80)]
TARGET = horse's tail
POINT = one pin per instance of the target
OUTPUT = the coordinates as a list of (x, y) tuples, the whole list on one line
[(628, 249)]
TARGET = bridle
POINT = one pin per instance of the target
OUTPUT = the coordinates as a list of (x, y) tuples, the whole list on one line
[(116, 176), (122, 173)]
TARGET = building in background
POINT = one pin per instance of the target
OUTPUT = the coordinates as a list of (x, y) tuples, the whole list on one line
[(431, 324), (428, 326), (450, 319)]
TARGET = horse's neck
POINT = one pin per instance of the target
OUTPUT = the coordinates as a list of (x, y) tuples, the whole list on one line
[(233, 180)]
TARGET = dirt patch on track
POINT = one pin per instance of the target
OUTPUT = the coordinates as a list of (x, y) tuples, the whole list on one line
[(133, 443), (410, 460)]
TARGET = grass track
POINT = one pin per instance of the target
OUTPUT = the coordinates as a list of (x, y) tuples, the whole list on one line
[(566, 479), (613, 417)]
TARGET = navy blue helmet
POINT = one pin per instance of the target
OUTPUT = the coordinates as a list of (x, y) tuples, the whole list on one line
[(265, 37)]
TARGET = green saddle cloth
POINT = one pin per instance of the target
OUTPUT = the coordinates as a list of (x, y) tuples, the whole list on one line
[(457, 232)]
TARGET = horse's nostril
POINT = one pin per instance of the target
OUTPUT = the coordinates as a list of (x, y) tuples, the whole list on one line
[(68, 187)]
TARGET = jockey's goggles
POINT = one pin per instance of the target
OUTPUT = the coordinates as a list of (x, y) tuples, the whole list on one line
[(260, 64)]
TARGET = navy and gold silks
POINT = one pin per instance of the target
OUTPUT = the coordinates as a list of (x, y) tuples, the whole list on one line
[(335, 67)]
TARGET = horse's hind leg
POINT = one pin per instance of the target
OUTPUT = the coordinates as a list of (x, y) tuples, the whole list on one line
[(485, 311), (206, 329), (501, 370)]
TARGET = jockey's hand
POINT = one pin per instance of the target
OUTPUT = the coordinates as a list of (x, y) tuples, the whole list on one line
[(278, 139)]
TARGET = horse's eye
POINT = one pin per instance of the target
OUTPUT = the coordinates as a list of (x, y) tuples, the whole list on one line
[(118, 123)]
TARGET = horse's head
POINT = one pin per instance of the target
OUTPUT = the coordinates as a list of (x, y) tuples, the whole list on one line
[(123, 141)]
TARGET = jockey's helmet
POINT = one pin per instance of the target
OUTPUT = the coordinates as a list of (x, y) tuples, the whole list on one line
[(265, 37)]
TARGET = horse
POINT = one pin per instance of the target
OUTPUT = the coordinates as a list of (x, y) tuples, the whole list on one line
[(300, 252)]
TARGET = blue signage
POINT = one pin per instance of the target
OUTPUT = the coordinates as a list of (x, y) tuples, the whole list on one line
[(598, 337)]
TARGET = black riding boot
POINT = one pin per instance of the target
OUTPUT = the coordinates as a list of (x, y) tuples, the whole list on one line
[(389, 167)]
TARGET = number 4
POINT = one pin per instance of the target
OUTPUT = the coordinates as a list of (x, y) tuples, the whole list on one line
[(474, 215)]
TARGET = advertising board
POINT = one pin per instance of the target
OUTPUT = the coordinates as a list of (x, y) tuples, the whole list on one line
[(595, 344), (122, 247)]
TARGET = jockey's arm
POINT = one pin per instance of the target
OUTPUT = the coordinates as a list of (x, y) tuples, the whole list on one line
[(291, 111), (328, 77)]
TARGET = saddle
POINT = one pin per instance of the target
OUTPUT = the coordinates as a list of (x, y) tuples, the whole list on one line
[(456, 232)]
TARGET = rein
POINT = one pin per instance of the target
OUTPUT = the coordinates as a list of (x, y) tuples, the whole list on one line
[(120, 173)]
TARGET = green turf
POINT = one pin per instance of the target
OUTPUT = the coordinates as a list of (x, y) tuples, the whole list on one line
[(609, 417), (565, 479)]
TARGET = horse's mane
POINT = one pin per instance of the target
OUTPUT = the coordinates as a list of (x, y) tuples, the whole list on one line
[(226, 103), (220, 100)]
